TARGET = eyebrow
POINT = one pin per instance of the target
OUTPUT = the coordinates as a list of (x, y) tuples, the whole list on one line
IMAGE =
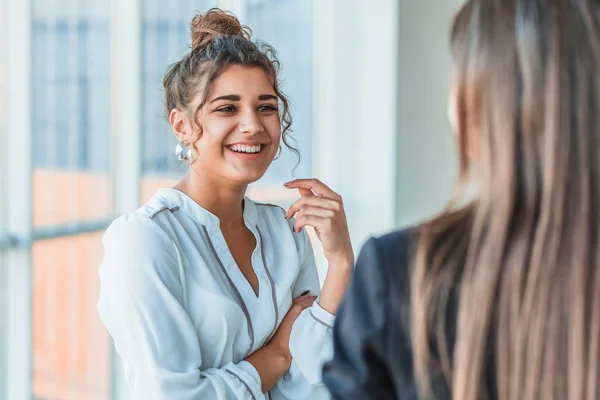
[(235, 97)]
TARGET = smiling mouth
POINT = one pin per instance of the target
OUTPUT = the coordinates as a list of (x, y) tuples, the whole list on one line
[(244, 149)]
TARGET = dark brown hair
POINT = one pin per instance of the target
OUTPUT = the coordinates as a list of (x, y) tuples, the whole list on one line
[(521, 260), (218, 41)]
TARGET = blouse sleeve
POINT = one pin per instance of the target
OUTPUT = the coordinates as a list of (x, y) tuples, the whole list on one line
[(141, 305), (311, 338)]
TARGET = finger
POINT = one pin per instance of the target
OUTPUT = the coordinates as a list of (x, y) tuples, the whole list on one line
[(314, 201), (305, 192), (298, 299), (315, 185), (304, 304), (297, 309), (318, 223), (316, 211), (301, 297)]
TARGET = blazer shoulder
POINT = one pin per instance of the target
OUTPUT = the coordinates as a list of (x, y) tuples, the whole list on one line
[(396, 247)]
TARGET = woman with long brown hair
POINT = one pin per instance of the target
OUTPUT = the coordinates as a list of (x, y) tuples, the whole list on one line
[(499, 296)]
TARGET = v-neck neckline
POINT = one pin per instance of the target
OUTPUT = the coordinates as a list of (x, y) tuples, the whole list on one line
[(242, 285), (253, 256)]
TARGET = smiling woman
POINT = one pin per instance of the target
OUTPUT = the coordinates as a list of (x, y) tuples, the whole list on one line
[(206, 293)]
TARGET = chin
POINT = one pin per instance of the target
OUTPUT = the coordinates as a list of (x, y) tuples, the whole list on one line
[(248, 178)]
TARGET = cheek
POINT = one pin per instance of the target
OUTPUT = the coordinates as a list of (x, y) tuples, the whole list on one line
[(276, 143), (219, 129), (277, 138), (274, 129), (214, 133), (208, 146)]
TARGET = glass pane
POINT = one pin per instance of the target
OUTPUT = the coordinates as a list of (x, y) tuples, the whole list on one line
[(71, 350), (70, 111), (165, 39), (71, 183)]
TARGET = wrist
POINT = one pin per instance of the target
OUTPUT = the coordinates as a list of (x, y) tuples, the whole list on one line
[(335, 285), (341, 264)]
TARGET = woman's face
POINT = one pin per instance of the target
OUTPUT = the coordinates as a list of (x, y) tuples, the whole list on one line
[(240, 123)]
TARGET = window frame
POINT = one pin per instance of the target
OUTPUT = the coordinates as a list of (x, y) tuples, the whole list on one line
[(15, 265)]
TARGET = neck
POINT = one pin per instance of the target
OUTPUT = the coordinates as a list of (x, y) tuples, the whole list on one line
[(222, 200)]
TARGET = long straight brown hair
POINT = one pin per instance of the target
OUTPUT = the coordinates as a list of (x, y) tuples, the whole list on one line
[(521, 261)]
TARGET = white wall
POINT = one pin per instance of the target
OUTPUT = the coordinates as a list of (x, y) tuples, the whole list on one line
[(355, 109), (426, 150), (382, 138)]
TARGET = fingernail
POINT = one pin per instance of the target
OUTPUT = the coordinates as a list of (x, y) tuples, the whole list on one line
[(287, 184), (305, 293)]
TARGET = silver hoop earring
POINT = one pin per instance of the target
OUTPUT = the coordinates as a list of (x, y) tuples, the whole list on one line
[(182, 152)]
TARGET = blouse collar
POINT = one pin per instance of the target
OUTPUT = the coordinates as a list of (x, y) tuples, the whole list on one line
[(175, 198)]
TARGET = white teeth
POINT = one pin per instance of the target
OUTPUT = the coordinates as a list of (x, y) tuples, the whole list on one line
[(240, 148)]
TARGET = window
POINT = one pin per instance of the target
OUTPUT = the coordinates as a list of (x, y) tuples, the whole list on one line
[(70, 80), (71, 121), (71, 185)]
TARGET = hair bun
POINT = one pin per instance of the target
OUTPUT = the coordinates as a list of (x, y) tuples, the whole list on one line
[(215, 22)]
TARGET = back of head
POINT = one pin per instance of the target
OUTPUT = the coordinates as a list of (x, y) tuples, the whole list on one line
[(522, 259)]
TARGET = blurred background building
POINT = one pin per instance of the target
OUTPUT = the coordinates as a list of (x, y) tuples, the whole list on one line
[(83, 139)]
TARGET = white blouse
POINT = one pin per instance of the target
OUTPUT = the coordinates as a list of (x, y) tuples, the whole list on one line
[(183, 316)]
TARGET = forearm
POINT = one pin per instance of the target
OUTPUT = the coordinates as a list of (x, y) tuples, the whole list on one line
[(270, 364), (334, 287)]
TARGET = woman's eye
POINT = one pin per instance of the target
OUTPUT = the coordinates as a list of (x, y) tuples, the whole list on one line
[(226, 109), (267, 107)]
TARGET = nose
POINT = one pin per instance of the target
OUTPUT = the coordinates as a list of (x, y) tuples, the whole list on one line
[(250, 123)]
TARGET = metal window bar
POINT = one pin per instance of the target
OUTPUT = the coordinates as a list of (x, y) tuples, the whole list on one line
[(9, 241)]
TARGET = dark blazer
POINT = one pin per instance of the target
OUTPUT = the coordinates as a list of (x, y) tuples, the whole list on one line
[(372, 348)]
